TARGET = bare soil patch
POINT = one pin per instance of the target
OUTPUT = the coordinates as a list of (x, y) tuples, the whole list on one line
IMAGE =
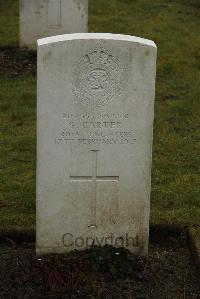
[(15, 62), (168, 272)]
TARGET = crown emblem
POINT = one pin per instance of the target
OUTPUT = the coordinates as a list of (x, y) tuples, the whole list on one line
[(97, 78), (98, 56)]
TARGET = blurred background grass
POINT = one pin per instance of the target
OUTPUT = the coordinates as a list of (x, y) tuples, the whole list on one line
[(174, 26)]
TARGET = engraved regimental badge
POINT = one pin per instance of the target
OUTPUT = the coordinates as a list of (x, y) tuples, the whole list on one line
[(97, 78)]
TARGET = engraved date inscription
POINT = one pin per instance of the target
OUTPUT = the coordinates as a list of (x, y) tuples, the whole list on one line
[(84, 130)]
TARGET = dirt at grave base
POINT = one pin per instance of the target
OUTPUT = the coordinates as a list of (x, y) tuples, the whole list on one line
[(168, 272), (15, 62)]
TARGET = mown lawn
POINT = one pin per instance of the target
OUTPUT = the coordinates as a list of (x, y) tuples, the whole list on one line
[(174, 26)]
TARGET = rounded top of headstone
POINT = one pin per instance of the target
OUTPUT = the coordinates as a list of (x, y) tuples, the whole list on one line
[(93, 36)]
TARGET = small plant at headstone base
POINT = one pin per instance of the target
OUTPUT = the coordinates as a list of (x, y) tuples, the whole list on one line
[(57, 273), (67, 272), (118, 263)]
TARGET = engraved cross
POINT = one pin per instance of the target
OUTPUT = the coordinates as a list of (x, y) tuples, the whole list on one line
[(54, 13), (94, 179)]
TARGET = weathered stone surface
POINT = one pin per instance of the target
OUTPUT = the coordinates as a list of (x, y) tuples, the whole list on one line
[(42, 18), (95, 122)]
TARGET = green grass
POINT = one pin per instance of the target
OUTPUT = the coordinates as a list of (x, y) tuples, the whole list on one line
[(9, 23), (174, 26), (17, 132)]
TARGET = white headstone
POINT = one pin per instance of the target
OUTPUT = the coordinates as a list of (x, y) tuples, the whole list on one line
[(95, 122), (42, 18)]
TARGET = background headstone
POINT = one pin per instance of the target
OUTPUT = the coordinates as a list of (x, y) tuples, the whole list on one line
[(95, 123), (42, 18)]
